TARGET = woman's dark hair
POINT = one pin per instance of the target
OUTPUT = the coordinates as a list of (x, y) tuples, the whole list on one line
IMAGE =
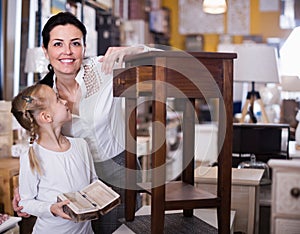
[(62, 18)]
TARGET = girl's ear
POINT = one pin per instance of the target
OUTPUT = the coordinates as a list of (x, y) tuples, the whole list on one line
[(45, 117)]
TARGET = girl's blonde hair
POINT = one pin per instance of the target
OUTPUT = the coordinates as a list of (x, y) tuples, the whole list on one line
[(25, 107)]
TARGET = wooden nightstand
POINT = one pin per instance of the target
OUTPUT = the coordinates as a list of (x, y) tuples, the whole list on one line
[(188, 76), (9, 167)]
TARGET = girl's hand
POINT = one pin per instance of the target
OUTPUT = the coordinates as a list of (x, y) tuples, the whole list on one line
[(116, 55), (57, 209), (15, 204)]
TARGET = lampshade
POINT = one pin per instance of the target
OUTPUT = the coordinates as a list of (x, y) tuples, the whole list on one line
[(214, 6), (290, 83), (36, 61), (256, 63), (290, 54)]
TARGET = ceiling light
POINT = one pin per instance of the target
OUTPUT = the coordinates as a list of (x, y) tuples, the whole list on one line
[(214, 6)]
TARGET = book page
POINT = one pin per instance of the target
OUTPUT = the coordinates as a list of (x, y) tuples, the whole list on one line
[(81, 203), (100, 194)]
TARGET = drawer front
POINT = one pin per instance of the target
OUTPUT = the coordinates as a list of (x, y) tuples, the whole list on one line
[(287, 226), (285, 202)]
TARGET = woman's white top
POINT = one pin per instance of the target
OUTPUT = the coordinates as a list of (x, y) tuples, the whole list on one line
[(100, 121), (101, 117), (63, 172)]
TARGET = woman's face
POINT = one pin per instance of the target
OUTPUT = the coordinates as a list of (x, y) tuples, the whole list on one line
[(65, 50)]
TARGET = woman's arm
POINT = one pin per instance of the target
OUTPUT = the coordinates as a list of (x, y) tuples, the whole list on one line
[(115, 55)]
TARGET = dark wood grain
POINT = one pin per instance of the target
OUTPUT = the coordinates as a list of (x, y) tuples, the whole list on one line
[(190, 76)]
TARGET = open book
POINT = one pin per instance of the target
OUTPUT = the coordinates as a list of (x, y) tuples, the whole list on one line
[(94, 200)]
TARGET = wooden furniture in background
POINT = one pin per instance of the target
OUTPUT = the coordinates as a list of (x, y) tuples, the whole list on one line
[(188, 76), (263, 140), (9, 167), (244, 194), (288, 112), (285, 208), (6, 133), (15, 182), (1, 194)]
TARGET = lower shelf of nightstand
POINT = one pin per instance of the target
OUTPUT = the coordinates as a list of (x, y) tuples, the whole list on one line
[(180, 195)]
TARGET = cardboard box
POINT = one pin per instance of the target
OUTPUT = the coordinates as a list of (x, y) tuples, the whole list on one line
[(94, 200)]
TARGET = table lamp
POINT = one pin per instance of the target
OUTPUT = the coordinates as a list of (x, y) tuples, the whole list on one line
[(35, 62), (255, 63)]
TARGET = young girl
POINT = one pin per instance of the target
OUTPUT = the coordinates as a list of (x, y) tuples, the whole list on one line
[(54, 164)]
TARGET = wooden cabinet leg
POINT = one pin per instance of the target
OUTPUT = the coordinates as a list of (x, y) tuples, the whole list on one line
[(130, 204), (158, 210), (131, 163), (223, 220)]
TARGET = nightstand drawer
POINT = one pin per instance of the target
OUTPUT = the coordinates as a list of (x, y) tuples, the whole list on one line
[(286, 203), (285, 216), (288, 226)]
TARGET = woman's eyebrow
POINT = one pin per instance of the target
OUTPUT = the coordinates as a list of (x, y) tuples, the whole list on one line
[(75, 39)]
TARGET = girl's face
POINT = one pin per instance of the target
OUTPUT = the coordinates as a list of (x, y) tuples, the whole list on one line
[(58, 109), (65, 50)]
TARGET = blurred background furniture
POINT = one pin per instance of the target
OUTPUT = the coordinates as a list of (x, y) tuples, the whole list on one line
[(290, 90), (289, 108), (6, 133), (265, 141), (285, 209), (293, 152), (9, 167), (1, 194), (244, 194), (206, 144)]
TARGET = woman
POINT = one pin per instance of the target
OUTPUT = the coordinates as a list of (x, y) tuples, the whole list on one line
[(87, 86)]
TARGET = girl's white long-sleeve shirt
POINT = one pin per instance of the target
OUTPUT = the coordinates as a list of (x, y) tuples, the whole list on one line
[(63, 172)]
